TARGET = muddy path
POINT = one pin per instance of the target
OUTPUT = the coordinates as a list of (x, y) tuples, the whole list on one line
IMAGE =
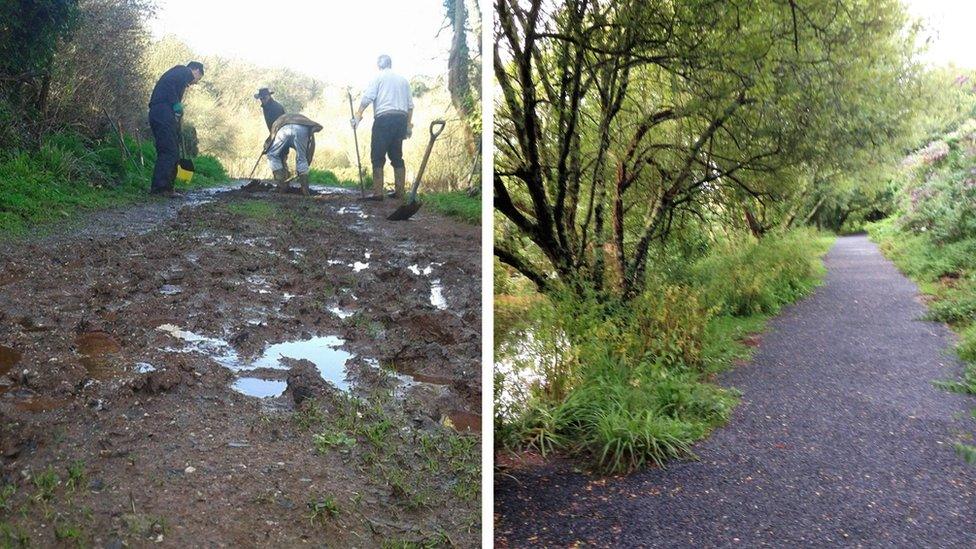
[(242, 368)]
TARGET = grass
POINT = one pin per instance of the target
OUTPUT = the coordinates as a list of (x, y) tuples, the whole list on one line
[(69, 175), (327, 441), (48, 495), (456, 204), (323, 509), (260, 210), (624, 385), (46, 482), (421, 469)]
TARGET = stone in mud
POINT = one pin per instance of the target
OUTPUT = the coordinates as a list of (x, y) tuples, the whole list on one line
[(305, 382), (158, 382)]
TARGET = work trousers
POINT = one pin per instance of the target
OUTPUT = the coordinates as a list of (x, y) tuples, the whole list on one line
[(389, 131), (166, 135), (291, 136)]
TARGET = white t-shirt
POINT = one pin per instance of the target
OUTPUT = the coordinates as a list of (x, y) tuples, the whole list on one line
[(388, 92)]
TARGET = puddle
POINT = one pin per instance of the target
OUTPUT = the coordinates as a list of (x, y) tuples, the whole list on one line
[(259, 388), (464, 421), (169, 289), (340, 313), (323, 351), (97, 350), (144, 368), (437, 294), (353, 210), (415, 269), (217, 349), (359, 266), (287, 296), (9, 357)]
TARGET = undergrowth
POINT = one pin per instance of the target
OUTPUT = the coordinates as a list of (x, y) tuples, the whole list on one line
[(932, 239), (628, 384), (68, 174), (457, 204)]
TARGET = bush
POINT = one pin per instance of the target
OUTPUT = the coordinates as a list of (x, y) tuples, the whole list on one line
[(455, 204), (69, 173), (939, 197), (209, 167), (746, 277), (322, 177), (622, 384)]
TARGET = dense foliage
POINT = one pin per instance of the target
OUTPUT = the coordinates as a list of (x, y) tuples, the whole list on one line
[(617, 122), (625, 384)]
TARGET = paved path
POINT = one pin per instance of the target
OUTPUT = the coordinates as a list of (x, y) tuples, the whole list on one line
[(840, 439)]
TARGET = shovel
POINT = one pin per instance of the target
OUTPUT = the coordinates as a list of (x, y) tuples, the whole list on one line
[(407, 210), (355, 139)]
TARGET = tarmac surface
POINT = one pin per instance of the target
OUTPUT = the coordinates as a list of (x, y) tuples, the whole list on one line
[(840, 439)]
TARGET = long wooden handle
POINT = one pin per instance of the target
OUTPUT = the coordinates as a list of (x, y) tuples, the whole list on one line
[(439, 125), (355, 140)]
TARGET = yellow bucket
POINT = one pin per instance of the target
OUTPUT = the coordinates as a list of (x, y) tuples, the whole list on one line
[(184, 171)]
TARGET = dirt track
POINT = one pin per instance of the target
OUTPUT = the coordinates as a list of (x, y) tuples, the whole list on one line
[(123, 340)]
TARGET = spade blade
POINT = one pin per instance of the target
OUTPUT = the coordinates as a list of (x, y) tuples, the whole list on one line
[(404, 212)]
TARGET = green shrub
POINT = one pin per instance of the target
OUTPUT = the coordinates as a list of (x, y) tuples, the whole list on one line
[(209, 167), (69, 173), (322, 177), (746, 277), (456, 204), (622, 384), (967, 348)]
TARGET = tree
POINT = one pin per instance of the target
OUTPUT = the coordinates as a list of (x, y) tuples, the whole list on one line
[(617, 120), (29, 35), (463, 68)]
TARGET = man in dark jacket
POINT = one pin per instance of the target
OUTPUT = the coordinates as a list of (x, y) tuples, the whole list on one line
[(272, 110), (165, 111)]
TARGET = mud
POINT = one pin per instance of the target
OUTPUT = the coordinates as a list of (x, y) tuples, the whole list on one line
[(185, 336)]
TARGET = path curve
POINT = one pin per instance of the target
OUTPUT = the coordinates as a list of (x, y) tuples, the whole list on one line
[(840, 439)]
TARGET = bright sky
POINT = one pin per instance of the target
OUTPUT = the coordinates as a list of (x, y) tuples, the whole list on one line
[(949, 23), (336, 41)]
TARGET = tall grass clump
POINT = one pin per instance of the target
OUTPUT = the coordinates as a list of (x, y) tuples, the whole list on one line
[(625, 384), (750, 277), (69, 173)]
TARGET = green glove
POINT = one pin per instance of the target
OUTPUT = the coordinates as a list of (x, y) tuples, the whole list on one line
[(178, 109)]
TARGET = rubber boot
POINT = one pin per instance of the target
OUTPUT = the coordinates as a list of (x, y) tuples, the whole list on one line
[(281, 178), (399, 181), (378, 183), (303, 181)]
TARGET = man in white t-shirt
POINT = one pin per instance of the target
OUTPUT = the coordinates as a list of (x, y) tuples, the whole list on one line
[(389, 93)]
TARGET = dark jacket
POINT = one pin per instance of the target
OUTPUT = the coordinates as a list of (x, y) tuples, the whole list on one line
[(171, 86), (272, 110)]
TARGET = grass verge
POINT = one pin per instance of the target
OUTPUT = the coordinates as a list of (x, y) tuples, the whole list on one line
[(68, 175), (456, 204), (946, 273), (627, 385)]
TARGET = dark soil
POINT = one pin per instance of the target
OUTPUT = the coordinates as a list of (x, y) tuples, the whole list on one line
[(159, 445), (840, 439)]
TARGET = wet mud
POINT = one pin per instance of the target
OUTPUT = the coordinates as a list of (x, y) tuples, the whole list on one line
[(205, 357)]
